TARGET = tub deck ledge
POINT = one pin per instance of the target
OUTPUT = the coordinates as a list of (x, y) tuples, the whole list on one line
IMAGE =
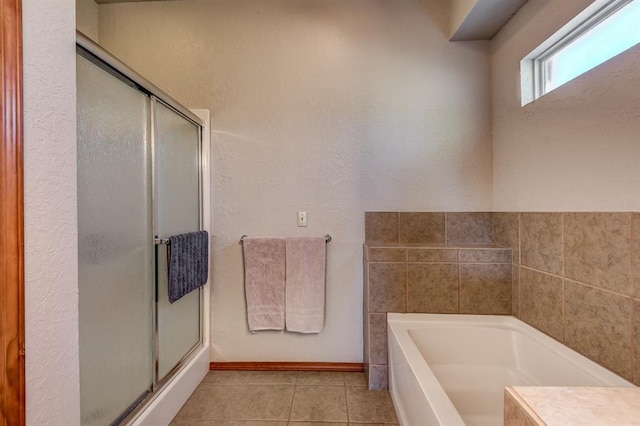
[(545, 405)]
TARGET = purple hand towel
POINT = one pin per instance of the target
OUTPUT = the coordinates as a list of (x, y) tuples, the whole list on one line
[(264, 282), (306, 264)]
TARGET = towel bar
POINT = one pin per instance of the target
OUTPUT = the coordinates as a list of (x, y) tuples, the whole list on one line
[(161, 241), (327, 238)]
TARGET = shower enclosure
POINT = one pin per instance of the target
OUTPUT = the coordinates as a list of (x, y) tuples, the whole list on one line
[(139, 181)]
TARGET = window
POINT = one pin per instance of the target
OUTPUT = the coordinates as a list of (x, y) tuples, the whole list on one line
[(604, 30)]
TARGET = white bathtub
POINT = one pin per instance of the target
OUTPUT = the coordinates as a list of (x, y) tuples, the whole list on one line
[(452, 369)]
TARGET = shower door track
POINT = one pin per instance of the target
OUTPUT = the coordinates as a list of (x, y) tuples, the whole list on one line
[(116, 67)]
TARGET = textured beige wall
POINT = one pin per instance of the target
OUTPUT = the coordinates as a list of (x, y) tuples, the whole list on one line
[(329, 106), (576, 148), (87, 18), (50, 195)]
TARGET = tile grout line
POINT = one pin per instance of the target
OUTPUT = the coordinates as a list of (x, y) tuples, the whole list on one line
[(591, 286), (446, 237), (293, 397), (564, 282), (570, 280), (633, 314), (346, 398), (459, 284), (519, 264), (456, 261), (406, 283)]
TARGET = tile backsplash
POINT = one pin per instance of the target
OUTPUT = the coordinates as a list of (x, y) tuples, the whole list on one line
[(428, 228), (429, 263), (575, 281), (574, 276)]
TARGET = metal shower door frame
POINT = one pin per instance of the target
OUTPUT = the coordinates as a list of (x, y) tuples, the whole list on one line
[(88, 49)]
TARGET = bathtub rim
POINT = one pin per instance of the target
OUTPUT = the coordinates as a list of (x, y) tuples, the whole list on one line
[(403, 321), (424, 376), (399, 325)]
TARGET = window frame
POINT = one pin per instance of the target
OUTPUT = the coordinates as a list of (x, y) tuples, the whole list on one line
[(533, 66)]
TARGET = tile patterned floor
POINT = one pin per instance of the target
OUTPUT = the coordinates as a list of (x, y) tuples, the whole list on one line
[(285, 398)]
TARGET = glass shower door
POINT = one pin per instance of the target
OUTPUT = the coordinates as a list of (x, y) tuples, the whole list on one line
[(177, 170), (115, 244)]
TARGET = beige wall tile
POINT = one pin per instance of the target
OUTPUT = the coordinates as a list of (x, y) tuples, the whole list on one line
[(486, 288), (469, 228), (506, 232), (598, 325), (381, 227), (541, 302), (365, 336), (485, 255), (432, 287), (636, 341), (365, 283), (636, 254), (378, 338), (387, 254), (541, 241), (432, 255), (597, 249), (378, 377), (387, 287), (425, 228)]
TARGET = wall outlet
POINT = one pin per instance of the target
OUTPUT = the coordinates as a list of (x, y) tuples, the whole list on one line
[(302, 218)]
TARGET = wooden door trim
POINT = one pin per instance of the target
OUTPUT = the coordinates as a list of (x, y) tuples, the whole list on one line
[(12, 356)]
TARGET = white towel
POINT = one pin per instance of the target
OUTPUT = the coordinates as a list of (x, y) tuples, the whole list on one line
[(305, 288), (264, 281)]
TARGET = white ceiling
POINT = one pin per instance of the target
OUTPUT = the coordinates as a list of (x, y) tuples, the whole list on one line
[(485, 19)]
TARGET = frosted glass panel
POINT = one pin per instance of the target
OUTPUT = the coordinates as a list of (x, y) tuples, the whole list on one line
[(610, 37), (115, 245), (178, 211)]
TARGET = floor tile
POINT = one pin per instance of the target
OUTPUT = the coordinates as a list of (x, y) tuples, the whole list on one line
[(319, 403), (239, 402), (252, 377), (355, 379), (367, 406), (193, 422), (317, 424), (271, 398), (314, 378), (373, 424)]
